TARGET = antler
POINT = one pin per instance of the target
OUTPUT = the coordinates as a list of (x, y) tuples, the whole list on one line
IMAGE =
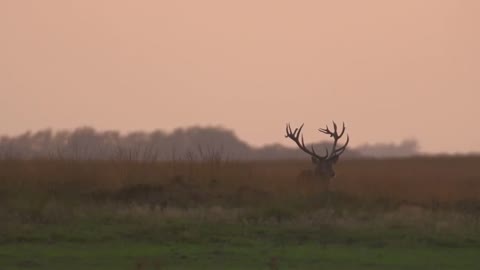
[(335, 152), (295, 135)]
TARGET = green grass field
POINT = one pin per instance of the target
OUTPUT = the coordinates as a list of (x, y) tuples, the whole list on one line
[(185, 245), (109, 215)]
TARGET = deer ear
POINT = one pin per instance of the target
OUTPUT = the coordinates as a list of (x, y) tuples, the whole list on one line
[(314, 160), (335, 159)]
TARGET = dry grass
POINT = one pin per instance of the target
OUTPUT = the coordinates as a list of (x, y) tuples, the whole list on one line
[(58, 188), (413, 180), (421, 180)]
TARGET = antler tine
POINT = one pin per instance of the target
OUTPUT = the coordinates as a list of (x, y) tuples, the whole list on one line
[(299, 130), (326, 130), (343, 130), (295, 136), (303, 142), (287, 129), (340, 150), (333, 133)]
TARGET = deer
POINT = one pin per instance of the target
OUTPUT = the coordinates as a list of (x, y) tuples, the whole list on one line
[(323, 166)]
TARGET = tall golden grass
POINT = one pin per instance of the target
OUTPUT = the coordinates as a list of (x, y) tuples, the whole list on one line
[(419, 180), (442, 179)]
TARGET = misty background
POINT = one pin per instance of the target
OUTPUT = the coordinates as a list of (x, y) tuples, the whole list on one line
[(194, 143)]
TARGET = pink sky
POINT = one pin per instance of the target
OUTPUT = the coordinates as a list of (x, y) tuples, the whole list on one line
[(390, 69)]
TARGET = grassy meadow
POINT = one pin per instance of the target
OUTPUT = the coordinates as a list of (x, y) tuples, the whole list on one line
[(415, 213)]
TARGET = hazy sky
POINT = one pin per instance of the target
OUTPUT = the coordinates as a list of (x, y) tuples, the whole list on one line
[(390, 69)]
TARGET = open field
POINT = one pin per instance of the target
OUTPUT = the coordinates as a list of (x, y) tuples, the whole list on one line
[(419, 213), (199, 245)]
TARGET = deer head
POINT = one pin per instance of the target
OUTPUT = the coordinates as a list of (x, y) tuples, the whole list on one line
[(323, 164)]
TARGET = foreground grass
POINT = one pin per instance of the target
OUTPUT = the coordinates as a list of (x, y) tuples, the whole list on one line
[(420, 213), (193, 245), (259, 256)]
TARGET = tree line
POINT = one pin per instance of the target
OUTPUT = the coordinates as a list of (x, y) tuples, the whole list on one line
[(194, 143)]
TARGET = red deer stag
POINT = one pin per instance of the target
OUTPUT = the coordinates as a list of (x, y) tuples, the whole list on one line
[(323, 171)]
